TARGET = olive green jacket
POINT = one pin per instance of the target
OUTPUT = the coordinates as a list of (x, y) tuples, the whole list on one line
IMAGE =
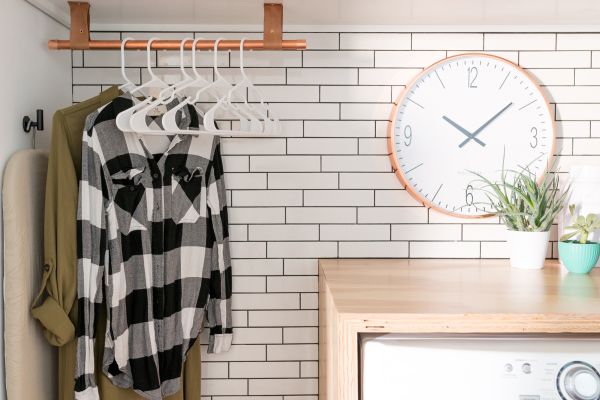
[(55, 306)]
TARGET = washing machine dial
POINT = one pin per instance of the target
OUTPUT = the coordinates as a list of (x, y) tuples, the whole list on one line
[(578, 380)]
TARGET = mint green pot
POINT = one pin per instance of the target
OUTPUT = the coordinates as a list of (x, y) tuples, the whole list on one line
[(579, 258)]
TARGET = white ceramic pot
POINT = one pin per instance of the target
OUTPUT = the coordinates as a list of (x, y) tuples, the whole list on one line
[(528, 249)]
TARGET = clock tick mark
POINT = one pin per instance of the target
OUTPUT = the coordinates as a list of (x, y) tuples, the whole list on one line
[(413, 168), (440, 79), (412, 101), (505, 78), (437, 191)]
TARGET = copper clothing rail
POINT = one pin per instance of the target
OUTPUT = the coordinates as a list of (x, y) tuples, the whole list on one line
[(80, 35)]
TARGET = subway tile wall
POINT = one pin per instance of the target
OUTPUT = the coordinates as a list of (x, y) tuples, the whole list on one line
[(325, 188)]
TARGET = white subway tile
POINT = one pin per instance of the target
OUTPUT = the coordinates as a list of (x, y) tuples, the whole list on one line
[(82, 93), (239, 319), (394, 215), (573, 128), (256, 215), (447, 41), (283, 386), (564, 146), (112, 58), (259, 76), (366, 111), (258, 198), (579, 112), (549, 76), (247, 249), (296, 94), (303, 181), (387, 76), (267, 301), (308, 335), (236, 353), (586, 147), (321, 215), (587, 76), (77, 60), (104, 76), (494, 250), (555, 59), (245, 181), (263, 370), (339, 129), (322, 76), (284, 232), (573, 94), (375, 41), (238, 233), (595, 59), (304, 111), (309, 369), (317, 41), (249, 284), (283, 318), (215, 370), (268, 58), (292, 128), (299, 352), (302, 249), (394, 198), (355, 232), (252, 146), (322, 146), (578, 41), (519, 41), (407, 59), (595, 128), (309, 301), (292, 284), (356, 94), (426, 232), (363, 180), (236, 163), (338, 59), (373, 249), (216, 387), (172, 59), (301, 267), (257, 336), (356, 163), (285, 163), (338, 198), (444, 249), (487, 232), (256, 267)]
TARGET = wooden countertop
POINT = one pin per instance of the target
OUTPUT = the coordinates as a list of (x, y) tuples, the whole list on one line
[(458, 287)]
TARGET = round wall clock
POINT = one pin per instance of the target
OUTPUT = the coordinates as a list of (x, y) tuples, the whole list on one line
[(471, 112)]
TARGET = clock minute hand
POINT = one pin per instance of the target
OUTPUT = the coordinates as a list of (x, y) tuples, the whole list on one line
[(482, 127), (463, 130)]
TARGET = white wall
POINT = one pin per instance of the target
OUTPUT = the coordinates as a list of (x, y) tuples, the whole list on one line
[(326, 188), (31, 77)]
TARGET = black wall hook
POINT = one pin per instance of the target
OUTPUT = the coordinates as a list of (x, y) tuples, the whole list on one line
[(28, 124)]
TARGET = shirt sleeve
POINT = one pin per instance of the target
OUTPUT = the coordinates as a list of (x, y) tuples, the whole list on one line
[(91, 253), (58, 291), (219, 303)]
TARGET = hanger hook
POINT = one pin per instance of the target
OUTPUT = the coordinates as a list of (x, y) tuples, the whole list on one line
[(181, 53), (242, 57), (194, 50), (216, 58), (149, 56), (123, 59)]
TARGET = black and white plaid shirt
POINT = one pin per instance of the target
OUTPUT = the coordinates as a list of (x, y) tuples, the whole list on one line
[(153, 245)]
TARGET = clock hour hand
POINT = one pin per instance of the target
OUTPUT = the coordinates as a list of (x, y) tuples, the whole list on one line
[(463, 130), (482, 127)]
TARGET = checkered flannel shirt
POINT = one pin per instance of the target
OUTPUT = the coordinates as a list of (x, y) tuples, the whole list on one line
[(153, 245)]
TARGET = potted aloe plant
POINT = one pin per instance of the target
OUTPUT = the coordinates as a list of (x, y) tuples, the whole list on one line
[(527, 207), (579, 256)]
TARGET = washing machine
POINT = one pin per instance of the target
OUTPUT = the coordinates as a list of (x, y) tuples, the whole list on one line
[(479, 367)]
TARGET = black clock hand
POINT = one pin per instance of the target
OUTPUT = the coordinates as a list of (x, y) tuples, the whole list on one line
[(463, 130), (482, 127)]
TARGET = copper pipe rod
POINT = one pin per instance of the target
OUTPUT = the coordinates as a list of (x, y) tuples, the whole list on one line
[(174, 45)]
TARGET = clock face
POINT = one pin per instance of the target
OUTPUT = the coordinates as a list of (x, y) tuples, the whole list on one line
[(468, 113)]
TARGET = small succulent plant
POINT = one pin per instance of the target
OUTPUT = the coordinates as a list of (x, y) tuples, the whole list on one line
[(580, 225)]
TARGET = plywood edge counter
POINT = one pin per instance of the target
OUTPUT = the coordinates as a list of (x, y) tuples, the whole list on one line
[(441, 296)]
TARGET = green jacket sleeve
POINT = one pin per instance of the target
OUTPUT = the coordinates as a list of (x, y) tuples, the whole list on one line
[(58, 291)]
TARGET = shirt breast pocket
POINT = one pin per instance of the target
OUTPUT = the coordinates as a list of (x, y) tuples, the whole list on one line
[(186, 195), (129, 200)]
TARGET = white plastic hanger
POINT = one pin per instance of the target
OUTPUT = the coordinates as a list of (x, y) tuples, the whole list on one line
[(124, 117), (243, 89), (138, 119), (248, 123), (128, 86)]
